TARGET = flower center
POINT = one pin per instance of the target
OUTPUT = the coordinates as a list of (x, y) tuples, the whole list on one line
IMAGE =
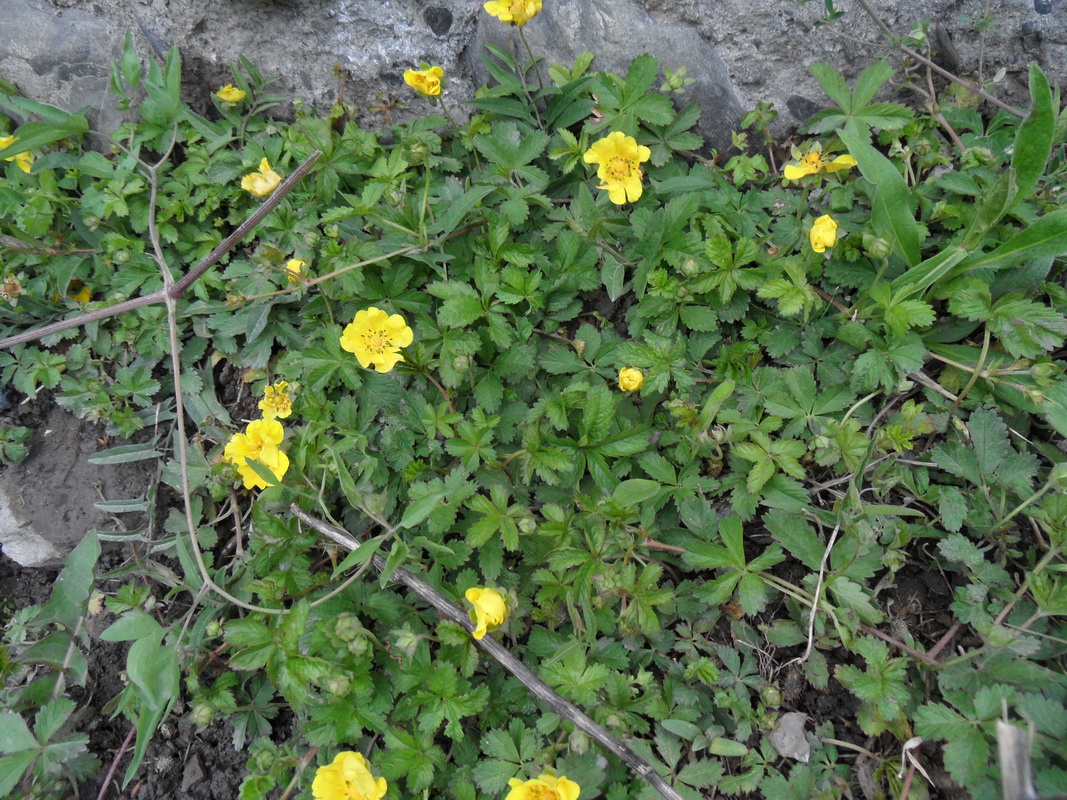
[(375, 341), (619, 168), (517, 8), (541, 792)]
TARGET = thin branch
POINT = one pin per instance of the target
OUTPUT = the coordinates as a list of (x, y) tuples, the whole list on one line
[(818, 596), (176, 290), (115, 762), (536, 686), (894, 40)]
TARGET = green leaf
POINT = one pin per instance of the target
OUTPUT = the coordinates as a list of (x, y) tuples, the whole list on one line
[(51, 717), (15, 736), (894, 215), (125, 454), (833, 84), (989, 438), (396, 558), (872, 79), (797, 536), (635, 491), (12, 768), (1034, 138), (726, 747), (70, 592), (1045, 237), (361, 555), (421, 508), (613, 276), (993, 208), (1026, 329)]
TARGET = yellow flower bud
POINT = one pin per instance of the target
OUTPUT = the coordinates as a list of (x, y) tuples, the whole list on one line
[(426, 82), (630, 379), (823, 233), (490, 609)]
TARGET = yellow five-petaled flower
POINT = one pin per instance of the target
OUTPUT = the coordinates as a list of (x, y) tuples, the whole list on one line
[(631, 379), (347, 778), (376, 338), (514, 12), (295, 269), (23, 160), (276, 402), (490, 609), (426, 82), (823, 233), (263, 181), (546, 787), (230, 94), (259, 442), (813, 163), (620, 158)]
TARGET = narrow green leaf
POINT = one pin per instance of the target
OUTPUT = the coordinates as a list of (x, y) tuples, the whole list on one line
[(993, 208), (893, 216), (396, 558), (1045, 237), (125, 453), (421, 508), (362, 554), (1033, 141)]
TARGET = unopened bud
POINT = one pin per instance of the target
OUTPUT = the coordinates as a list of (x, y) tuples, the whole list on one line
[(203, 713), (876, 246)]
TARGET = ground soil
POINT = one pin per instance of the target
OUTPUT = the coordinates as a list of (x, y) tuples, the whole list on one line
[(181, 761)]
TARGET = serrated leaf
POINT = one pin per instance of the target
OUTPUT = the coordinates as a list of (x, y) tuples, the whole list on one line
[(989, 438)]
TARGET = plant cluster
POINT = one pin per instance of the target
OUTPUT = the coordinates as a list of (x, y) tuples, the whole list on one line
[(676, 431)]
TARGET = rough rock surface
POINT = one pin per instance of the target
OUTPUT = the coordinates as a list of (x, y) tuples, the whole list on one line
[(46, 502), (740, 51)]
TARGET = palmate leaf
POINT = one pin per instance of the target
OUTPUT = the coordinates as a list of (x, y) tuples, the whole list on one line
[(1026, 329)]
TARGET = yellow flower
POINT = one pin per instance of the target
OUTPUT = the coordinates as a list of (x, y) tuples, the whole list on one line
[(347, 778), (547, 787), (376, 338), (823, 233), (22, 159), (514, 12), (813, 163), (82, 293), (295, 268), (259, 442), (490, 609), (277, 404), (230, 94), (426, 82), (630, 379), (262, 182), (619, 157)]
